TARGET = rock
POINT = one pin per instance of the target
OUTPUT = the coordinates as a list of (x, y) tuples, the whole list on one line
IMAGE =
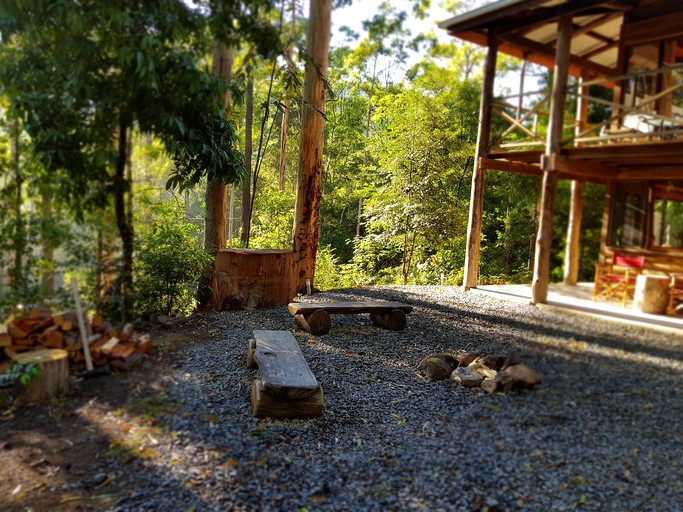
[(482, 369), (444, 356), (466, 358), (523, 376), (495, 362), (513, 359), (505, 381), (466, 377), (490, 386), (435, 368)]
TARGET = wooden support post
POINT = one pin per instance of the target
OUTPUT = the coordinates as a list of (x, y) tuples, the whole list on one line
[(539, 285), (318, 322), (571, 260), (471, 275), (394, 320)]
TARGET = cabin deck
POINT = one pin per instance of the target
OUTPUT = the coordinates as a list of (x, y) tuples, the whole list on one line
[(579, 298)]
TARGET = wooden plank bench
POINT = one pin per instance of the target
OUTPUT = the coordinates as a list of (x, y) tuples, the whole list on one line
[(314, 317), (285, 387)]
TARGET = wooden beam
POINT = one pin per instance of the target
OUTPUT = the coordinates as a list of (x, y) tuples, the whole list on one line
[(510, 166), (544, 15), (600, 49), (588, 27), (539, 285), (571, 259), (530, 46), (471, 273), (453, 25)]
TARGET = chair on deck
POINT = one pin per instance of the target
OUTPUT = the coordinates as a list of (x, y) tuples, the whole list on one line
[(617, 279), (675, 294)]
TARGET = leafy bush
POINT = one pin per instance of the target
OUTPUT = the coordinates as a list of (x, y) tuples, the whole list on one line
[(170, 263)]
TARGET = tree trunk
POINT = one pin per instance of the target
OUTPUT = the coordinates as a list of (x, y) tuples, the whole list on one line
[(215, 217), (306, 213), (248, 153), (365, 150), (47, 279), (125, 228), (17, 271), (288, 95)]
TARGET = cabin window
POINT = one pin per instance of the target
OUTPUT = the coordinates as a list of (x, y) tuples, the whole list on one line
[(627, 228), (668, 216)]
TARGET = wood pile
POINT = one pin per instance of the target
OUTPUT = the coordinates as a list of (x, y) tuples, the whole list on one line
[(41, 330)]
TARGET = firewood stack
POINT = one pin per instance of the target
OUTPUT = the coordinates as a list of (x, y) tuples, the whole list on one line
[(121, 348)]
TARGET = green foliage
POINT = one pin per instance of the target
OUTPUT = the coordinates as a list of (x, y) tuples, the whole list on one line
[(19, 372), (170, 264)]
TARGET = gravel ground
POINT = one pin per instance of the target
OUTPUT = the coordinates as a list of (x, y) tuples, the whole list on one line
[(603, 431)]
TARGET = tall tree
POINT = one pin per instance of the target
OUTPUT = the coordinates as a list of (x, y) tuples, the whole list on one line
[(309, 179), (83, 74)]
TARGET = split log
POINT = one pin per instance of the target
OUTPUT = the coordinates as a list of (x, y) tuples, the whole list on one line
[(317, 322), (53, 377), (286, 387)]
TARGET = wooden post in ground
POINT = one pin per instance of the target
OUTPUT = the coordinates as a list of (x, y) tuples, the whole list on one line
[(541, 279), (571, 260), (471, 275)]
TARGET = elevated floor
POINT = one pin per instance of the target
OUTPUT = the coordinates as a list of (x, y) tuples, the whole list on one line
[(579, 298)]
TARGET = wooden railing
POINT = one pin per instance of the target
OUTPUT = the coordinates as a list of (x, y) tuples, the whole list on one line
[(646, 118)]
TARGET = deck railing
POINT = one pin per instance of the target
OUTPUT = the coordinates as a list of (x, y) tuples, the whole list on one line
[(641, 118)]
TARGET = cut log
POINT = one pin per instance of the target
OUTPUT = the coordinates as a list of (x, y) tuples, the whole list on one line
[(265, 405), (317, 322), (5, 339), (52, 338), (53, 377), (314, 316), (651, 294), (122, 351), (109, 346), (394, 320)]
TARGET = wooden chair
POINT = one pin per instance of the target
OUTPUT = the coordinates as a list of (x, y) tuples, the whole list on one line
[(617, 279), (675, 294)]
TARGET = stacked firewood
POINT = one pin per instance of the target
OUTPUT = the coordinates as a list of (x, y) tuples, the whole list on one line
[(41, 329)]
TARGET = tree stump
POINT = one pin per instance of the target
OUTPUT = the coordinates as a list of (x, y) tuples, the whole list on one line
[(250, 278), (651, 294), (53, 377)]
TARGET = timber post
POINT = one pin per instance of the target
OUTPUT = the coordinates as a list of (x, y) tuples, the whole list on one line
[(541, 279), (479, 173), (571, 260)]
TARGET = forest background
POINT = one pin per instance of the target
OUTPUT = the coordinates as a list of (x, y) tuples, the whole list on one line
[(400, 132)]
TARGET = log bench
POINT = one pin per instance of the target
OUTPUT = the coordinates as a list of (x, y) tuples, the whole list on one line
[(285, 386), (314, 317)]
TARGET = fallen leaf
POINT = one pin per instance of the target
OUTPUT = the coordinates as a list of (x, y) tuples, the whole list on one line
[(579, 480), (648, 406), (311, 340)]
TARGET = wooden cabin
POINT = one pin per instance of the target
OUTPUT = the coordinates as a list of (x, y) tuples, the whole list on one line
[(634, 50)]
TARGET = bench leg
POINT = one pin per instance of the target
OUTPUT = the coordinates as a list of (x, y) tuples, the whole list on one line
[(394, 319), (317, 322), (265, 405), (251, 363)]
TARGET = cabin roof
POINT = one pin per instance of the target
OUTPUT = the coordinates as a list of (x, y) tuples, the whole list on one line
[(528, 29)]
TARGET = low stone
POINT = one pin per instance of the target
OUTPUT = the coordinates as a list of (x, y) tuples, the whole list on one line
[(466, 358), (495, 362), (435, 368), (490, 386), (523, 376), (466, 377), (482, 369), (444, 356), (505, 382)]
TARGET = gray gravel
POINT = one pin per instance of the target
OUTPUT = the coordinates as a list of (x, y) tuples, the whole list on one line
[(603, 432)]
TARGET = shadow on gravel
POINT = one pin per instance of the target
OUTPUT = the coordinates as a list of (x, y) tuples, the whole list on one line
[(603, 338), (177, 433)]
